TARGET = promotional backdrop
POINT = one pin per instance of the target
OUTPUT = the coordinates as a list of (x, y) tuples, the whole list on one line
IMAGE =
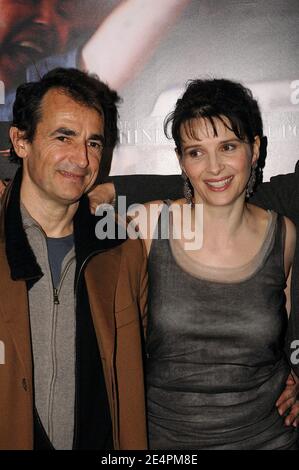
[(147, 50)]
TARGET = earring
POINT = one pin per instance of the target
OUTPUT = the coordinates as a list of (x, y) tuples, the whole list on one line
[(251, 181), (187, 189)]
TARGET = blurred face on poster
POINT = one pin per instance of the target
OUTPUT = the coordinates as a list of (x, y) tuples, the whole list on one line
[(30, 30)]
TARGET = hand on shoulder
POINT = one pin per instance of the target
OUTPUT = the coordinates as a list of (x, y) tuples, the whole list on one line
[(290, 244), (144, 219)]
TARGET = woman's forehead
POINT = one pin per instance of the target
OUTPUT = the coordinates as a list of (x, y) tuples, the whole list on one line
[(201, 128)]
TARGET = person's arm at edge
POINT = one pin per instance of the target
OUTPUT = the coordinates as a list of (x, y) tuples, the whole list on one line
[(278, 194), (139, 189), (287, 402)]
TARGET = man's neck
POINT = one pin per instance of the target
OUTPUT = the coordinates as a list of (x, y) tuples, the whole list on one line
[(55, 219)]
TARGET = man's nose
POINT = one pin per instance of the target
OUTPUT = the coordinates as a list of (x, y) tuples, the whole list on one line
[(48, 17), (45, 13), (80, 155)]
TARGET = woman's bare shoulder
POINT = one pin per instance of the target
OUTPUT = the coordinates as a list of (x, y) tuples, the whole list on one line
[(258, 213)]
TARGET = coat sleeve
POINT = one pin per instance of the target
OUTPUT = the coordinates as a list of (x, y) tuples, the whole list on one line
[(144, 188), (279, 194)]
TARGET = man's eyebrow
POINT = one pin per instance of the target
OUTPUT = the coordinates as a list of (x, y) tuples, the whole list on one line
[(63, 130), (99, 137), (70, 132)]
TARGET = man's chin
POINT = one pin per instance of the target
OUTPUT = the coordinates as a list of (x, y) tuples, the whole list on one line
[(69, 199)]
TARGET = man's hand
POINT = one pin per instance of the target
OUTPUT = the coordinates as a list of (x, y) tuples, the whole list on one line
[(103, 193), (288, 401)]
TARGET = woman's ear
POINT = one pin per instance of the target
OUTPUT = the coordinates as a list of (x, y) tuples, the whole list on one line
[(256, 150), (18, 141)]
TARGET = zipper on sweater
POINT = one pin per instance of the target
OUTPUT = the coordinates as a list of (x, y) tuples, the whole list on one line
[(55, 296), (56, 302)]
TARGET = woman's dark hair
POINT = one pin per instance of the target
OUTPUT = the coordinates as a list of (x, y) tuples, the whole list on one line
[(86, 89), (217, 98)]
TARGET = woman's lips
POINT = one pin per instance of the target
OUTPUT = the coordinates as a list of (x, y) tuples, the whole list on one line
[(219, 184)]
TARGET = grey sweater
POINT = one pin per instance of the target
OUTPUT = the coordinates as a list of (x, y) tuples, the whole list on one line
[(53, 340)]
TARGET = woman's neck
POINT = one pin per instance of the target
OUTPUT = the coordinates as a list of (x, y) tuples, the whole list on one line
[(221, 224)]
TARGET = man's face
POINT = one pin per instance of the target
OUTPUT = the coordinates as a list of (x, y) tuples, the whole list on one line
[(63, 160), (30, 30)]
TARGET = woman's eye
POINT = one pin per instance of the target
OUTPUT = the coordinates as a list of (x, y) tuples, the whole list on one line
[(195, 153), (229, 147)]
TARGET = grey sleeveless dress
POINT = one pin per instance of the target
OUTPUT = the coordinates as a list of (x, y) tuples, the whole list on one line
[(215, 361)]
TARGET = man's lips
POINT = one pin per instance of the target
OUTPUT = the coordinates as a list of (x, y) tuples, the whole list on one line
[(33, 49), (24, 53), (35, 40), (27, 44), (71, 175), (220, 184)]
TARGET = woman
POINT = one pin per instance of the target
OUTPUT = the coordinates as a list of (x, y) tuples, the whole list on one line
[(217, 315)]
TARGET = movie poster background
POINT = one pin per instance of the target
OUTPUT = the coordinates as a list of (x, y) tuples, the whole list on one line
[(148, 49)]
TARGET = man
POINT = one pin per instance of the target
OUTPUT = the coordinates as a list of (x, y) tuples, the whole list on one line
[(36, 36), (71, 304), (30, 30)]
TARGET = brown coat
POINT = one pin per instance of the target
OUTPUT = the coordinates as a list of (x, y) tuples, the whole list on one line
[(116, 282)]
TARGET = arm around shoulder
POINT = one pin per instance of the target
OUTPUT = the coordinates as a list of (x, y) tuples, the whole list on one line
[(290, 244), (289, 251), (279, 194)]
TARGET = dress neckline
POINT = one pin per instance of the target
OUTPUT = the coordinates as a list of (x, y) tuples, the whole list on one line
[(224, 275)]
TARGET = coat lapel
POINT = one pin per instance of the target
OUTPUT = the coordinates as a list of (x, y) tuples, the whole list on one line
[(101, 274), (101, 277), (14, 310)]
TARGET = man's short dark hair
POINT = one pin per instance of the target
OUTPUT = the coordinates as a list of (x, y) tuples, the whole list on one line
[(83, 88)]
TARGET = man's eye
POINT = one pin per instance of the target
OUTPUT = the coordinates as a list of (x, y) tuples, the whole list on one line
[(63, 12), (96, 145), (62, 138)]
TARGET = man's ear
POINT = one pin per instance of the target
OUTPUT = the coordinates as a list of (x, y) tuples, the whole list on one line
[(19, 141), (256, 150)]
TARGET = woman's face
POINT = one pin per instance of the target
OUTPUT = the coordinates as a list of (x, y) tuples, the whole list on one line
[(218, 165)]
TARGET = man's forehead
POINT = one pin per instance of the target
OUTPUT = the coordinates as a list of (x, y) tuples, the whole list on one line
[(58, 102)]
